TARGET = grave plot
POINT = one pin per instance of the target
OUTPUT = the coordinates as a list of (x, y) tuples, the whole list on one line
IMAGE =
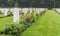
[(10, 19), (16, 18)]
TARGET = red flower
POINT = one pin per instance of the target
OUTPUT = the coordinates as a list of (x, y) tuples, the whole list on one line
[(27, 19)]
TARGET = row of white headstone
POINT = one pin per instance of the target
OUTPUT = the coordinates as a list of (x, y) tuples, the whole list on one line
[(16, 11), (57, 9)]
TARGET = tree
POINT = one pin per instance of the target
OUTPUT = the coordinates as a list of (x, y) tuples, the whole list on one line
[(16, 4)]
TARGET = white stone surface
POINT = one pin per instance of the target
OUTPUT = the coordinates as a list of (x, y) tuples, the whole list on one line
[(42, 9), (25, 10), (38, 10), (20, 10), (6, 11), (58, 10), (16, 15), (12, 10), (30, 9), (2, 10)]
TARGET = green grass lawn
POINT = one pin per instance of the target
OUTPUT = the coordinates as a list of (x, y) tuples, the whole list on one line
[(47, 25), (7, 20)]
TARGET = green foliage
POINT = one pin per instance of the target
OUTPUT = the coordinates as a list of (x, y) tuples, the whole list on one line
[(46, 25), (0, 12), (16, 29), (31, 20), (30, 3), (16, 4), (13, 29), (9, 13)]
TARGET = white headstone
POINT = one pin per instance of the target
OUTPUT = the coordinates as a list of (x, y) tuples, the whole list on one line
[(34, 10), (16, 14), (25, 10), (6, 11), (2, 10), (20, 10), (30, 9), (12, 10), (42, 9), (58, 10), (37, 10)]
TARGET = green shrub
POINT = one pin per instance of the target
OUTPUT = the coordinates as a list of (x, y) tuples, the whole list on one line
[(13, 29), (28, 20), (10, 13)]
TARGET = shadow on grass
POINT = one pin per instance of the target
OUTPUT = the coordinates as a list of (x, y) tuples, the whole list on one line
[(6, 16)]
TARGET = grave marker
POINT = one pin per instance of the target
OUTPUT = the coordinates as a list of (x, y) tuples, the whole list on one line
[(25, 10), (6, 11), (16, 14), (30, 9), (58, 10), (2, 10)]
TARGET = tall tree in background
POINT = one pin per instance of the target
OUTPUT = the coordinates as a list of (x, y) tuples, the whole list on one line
[(16, 4)]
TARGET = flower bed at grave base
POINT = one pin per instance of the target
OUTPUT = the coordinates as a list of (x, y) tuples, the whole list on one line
[(17, 29)]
